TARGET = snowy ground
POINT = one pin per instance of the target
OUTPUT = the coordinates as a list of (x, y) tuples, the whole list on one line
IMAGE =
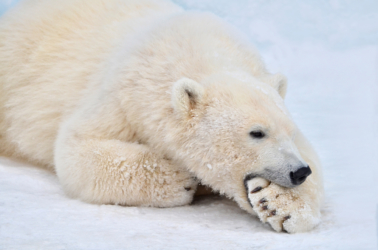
[(329, 52)]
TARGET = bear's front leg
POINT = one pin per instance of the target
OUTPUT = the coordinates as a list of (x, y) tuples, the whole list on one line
[(115, 172)]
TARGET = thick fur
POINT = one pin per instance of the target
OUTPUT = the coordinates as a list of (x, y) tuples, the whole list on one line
[(133, 101)]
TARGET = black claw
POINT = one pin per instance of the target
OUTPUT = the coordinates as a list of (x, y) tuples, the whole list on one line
[(273, 213), (188, 188), (256, 190), (265, 208), (263, 200), (287, 217)]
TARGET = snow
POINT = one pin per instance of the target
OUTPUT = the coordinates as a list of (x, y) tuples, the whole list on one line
[(328, 50)]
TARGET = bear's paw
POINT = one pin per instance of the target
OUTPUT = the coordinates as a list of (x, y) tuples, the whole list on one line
[(285, 209)]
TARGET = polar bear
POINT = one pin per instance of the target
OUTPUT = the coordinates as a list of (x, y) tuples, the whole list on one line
[(134, 102)]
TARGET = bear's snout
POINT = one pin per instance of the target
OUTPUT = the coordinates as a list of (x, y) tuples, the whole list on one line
[(299, 176)]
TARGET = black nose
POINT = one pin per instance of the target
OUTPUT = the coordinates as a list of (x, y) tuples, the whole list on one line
[(299, 176)]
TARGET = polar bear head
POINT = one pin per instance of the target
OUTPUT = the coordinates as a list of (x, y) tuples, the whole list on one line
[(236, 128)]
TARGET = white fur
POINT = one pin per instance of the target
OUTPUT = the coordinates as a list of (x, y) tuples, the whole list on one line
[(128, 100)]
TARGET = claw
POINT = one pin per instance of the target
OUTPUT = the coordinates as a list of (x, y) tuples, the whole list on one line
[(188, 188), (256, 190), (265, 208), (272, 213), (287, 217), (263, 200)]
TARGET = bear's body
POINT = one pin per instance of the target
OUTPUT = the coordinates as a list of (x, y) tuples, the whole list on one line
[(130, 100)]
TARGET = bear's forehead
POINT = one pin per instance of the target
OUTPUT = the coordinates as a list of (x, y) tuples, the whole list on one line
[(246, 116), (247, 102), (234, 91), (241, 103)]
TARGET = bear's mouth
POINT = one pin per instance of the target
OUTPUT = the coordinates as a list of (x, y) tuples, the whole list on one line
[(287, 177), (247, 178)]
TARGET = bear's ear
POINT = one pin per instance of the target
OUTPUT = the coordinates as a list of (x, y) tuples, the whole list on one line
[(186, 95), (279, 82)]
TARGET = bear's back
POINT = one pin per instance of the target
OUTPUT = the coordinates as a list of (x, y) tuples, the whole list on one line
[(49, 51)]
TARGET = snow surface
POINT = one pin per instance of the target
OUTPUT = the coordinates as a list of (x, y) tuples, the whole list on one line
[(328, 50)]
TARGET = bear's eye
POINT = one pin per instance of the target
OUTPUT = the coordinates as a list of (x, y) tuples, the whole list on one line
[(257, 134)]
